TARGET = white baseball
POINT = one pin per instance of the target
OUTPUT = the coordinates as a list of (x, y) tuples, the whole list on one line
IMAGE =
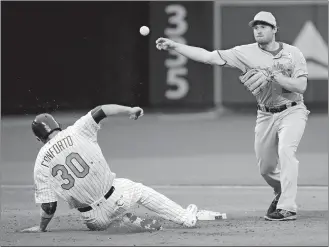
[(144, 30)]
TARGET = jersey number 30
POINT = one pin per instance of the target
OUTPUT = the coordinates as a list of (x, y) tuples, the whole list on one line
[(65, 175)]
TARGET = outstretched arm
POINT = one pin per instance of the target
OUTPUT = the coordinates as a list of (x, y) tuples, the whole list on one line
[(47, 212), (194, 53), (101, 112)]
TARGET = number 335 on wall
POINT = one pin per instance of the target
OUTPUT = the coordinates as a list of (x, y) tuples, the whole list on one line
[(176, 63)]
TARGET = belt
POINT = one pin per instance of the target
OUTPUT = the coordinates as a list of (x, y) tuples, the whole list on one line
[(106, 196), (276, 109)]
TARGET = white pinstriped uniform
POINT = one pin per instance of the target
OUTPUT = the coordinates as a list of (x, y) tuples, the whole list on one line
[(71, 165)]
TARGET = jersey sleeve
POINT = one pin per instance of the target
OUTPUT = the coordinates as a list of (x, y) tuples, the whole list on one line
[(44, 192), (87, 126), (300, 66), (232, 58)]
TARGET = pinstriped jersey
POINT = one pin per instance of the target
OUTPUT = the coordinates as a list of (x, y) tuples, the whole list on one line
[(289, 61), (71, 165)]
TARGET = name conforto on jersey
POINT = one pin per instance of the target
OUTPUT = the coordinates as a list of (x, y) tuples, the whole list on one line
[(56, 148)]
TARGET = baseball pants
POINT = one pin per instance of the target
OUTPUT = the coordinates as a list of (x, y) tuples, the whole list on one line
[(277, 137), (127, 195)]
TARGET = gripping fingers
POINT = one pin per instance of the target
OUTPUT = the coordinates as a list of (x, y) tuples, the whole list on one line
[(160, 40), (159, 43), (137, 114), (164, 44)]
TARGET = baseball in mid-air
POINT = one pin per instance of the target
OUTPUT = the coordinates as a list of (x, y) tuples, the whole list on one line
[(144, 30)]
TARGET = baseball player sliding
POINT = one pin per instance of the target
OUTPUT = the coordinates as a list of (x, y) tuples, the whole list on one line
[(71, 165), (276, 74)]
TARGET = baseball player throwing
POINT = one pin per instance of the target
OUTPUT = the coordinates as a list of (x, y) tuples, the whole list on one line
[(71, 165), (276, 74)]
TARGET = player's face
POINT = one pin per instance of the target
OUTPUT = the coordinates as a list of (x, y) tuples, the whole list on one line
[(263, 34)]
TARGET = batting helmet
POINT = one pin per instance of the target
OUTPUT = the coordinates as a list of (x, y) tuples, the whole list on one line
[(43, 125)]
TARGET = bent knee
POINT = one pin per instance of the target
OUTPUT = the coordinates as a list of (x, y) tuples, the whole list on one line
[(266, 168), (265, 171), (97, 224)]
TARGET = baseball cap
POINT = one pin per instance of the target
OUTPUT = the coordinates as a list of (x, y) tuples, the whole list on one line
[(264, 17)]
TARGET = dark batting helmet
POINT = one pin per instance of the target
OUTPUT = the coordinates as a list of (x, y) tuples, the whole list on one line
[(43, 125)]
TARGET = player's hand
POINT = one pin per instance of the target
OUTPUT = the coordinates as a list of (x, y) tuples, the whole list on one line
[(277, 77), (165, 44), (136, 112), (33, 229)]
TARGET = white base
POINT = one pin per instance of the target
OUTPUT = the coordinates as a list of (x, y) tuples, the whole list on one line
[(205, 215)]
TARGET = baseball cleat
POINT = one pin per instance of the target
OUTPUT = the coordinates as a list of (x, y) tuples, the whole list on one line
[(273, 205), (210, 215), (191, 218), (281, 215)]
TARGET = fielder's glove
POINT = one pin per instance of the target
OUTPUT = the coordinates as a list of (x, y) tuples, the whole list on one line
[(255, 80)]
